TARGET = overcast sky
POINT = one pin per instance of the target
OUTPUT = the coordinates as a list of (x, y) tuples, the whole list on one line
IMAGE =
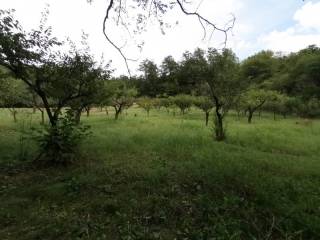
[(278, 25)]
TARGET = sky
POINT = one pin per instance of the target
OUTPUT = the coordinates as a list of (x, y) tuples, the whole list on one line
[(281, 26)]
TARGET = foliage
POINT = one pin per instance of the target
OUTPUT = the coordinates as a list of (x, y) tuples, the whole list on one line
[(120, 95), (308, 109), (224, 85), (169, 76), (254, 99), (183, 102), (13, 94), (146, 103), (59, 80), (304, 74), (258, 68), (166, 103), (205, 104), (150, 85), (59, 144)]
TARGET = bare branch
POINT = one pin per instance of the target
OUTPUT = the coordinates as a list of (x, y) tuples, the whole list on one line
[(110, 41), (157, 9), (208, 22)]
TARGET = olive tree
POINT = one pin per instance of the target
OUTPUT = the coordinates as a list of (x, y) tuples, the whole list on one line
[(120, 96), (224, 85), (183, 102), (146, 103), (253, 100), (205, 104)]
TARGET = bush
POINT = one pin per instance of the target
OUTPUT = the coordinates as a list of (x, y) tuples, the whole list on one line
[(59, 144)]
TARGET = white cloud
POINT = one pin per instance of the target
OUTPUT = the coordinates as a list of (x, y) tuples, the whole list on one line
[(289, 40), (309, 16), (305, 32)]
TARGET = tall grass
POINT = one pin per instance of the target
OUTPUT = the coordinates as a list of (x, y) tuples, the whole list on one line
[(164, 177)]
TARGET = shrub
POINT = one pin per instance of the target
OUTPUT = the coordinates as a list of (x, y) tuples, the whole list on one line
[(59, 144)]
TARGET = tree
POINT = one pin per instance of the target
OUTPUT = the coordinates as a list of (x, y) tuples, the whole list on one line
[(183, 102), (150, 84), (169, 73), (253, 100), (13, 94), (25, 55), (191, 74), (146, 103), (166, 103), (286, 105), (121, 96), (308, 109), (298, 74), (58, 79), (205, 104), (258, 68), (91, 79), (224, 85), (37, 104), (305, 75)]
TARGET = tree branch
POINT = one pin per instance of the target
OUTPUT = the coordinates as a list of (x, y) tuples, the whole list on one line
[(208, 22), (110, 41)]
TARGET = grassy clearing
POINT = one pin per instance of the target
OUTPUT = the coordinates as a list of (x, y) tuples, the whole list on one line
[(163, 177)]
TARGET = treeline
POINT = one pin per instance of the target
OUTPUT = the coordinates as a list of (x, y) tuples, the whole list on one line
[(291, 81)]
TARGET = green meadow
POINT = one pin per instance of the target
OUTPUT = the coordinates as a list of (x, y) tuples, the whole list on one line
[(164, 177)]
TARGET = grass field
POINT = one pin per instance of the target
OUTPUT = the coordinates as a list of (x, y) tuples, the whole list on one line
[(164, 177)]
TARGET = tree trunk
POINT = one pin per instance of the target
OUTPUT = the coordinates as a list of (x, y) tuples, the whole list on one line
[(238, 114), (274, 115), (207, 118), (88, 111), (107, 112), (52, 118), (116, 115), (219, 131), (42, 117), (148, 112), (250, 116), (77, 116), (118, 111), (14, 113)]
